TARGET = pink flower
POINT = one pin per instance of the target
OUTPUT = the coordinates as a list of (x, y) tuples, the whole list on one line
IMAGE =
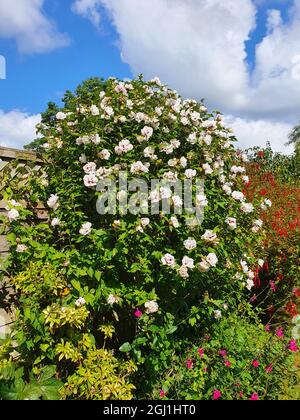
[(223, 353), (138, 313), (269, 369), (227, 363), (162, 394), (293, 346), (189, 364), (279, 333), (268, 328), (241, 394), (205, 369), (273, 286), (255, 363), (217, 395), (201, 353), (254, 397)]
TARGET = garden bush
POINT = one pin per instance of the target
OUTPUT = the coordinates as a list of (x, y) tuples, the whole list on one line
[(240, 360), (109, 300), (278, 281), (285, 168)]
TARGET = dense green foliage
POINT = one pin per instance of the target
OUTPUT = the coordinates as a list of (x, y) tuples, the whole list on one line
[(110, 302)]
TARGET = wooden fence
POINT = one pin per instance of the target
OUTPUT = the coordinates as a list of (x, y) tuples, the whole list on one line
[(25, 160)]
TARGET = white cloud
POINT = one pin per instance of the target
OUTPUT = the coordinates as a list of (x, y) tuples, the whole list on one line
[(252, 133), (198, 47), (89, 9), (275, 90), (17, 128), (24, 21)]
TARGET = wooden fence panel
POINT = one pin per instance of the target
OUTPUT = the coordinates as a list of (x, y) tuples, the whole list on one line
[(8, 155), (3, 244)]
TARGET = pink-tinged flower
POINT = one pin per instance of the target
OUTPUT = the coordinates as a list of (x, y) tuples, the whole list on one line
[(201, 353), (273, 286), (189, 364), (241, 394), (268, 328), (254, 397), (223, 353), (138, 313), (255, 363), (269, 369), (217, 395), (293, 346), (227, 363), (205, 369), (162, 394), (279, 333), (296, 292)]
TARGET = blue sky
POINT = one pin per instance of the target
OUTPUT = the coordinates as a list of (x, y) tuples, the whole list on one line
[(33, 80), (85, 38)]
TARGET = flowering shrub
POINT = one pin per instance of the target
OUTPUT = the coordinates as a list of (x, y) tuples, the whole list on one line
[(144, 284), (285, 168), (278, 280), (239, 360)]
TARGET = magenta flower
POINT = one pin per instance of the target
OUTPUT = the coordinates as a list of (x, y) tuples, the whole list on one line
[(227, 363), (241, 394), (189, 364), (279, 333), (201, 353), (273, 286), (255, 363), (254, 397), (138, 313), (217, 395), (223, 353), (293, 346), (269, 369), (162, 394)]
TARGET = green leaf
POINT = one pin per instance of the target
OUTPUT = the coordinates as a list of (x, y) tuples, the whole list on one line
[(97, 275), (141, 340), (171, 330), (76, 285), (192, 321), (138, 354), (125, 348), (154, 328), (31, 392), (50, 389), (48, 372)]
